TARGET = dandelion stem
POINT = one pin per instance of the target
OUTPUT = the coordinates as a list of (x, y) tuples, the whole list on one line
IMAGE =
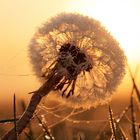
[(34, 101)]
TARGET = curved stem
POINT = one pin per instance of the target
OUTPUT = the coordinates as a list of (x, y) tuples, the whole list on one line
[(34, 101)]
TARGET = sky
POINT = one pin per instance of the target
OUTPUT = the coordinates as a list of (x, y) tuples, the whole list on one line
[(20, 19)]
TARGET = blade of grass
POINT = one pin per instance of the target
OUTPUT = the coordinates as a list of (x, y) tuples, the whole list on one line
[(117, 132), (120, 133), (47, 132), (134, 83), (112, 124), (14, 110), (8, 120), (134, 132), (138, 130)]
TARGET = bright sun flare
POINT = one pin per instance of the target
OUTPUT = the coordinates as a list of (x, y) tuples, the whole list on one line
[(119, 17)]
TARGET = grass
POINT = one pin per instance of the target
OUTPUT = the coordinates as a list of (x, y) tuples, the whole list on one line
[(14, 112), (112, 129)]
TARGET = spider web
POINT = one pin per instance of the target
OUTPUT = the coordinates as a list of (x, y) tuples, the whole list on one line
[(52, 112)]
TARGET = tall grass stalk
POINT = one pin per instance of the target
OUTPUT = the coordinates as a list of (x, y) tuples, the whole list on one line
[(14, 111), (134, 131), (47, 132), (112, 124), (134, 83)]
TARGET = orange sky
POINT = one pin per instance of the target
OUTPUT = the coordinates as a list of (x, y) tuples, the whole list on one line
[(19, 20)]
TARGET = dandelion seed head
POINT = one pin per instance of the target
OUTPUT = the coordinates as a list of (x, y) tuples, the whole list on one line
[(84, 53)]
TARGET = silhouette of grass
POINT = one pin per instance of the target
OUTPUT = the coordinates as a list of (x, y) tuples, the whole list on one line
[(14, 111), (112, 124), (133, 121), (116, 132)]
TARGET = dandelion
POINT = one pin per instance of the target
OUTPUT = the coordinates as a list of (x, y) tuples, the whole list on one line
[(85, 57), (74, 56)]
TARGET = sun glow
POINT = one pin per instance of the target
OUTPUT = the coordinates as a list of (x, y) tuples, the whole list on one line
[(121, 18), (20, 19)]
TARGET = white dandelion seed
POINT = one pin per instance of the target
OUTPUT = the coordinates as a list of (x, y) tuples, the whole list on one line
[(87, 58), (77, 58)]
